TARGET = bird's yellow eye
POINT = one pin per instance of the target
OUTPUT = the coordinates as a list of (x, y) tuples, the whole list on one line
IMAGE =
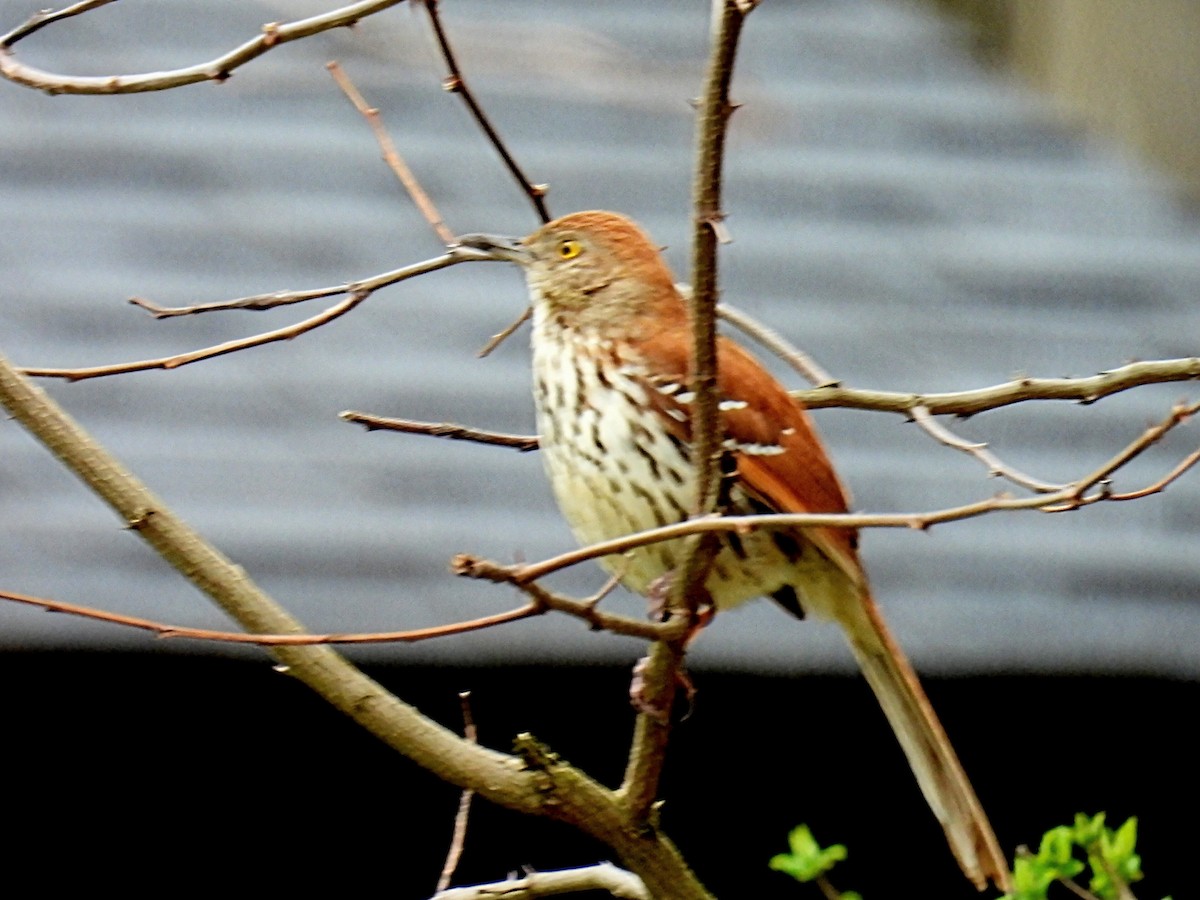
[(569, 249)]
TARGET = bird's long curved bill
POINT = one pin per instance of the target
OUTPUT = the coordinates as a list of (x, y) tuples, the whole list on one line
[(509, 249)]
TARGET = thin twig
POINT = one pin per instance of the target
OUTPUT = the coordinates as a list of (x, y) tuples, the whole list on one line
[(801, 362), (468, 566), (521, 442), (995, 466), (967, 403), (356, 292), (541, 602), (254, 303), (183, 359), (962, 403), (260, 302), (1157, 487), (40, 20), (1151, 436), (219, 69), (164, 630), (459, 837), (1077, 889), (455, 83), (391, 155), (501, 336)]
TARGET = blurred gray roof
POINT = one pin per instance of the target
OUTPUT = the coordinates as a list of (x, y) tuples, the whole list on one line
[(913, 221)]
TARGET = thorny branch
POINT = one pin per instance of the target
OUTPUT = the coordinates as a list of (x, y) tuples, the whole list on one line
[(219, 69), (659, 675)]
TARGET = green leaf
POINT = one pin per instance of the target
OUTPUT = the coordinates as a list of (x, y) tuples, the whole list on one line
[(1056, 848), (807, 860), (1032, 877), (1088, 830)]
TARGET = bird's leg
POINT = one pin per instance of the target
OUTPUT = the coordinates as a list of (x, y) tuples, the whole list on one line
[(657, 599)]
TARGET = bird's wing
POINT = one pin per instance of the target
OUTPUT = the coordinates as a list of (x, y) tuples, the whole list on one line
[(780, 460)]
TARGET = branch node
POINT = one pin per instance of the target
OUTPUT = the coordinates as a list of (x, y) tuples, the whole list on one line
[(139, 520)]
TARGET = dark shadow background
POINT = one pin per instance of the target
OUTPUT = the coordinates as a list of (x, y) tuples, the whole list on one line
[(132, 766)]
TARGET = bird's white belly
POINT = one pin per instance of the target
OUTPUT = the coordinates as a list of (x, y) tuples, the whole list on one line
[(613, 476)]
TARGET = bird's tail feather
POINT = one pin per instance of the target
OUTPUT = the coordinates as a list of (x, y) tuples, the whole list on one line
[(930, 755)]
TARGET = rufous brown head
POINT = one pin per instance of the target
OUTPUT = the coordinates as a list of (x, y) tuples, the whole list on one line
[(590, 267)]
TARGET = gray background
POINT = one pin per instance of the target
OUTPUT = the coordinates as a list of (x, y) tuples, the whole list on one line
[(913, 221)]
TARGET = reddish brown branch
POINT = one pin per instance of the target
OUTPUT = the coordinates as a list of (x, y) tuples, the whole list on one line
[(458, 838), (163, 630), (183, 359), (501, 336), (521, 442), (392, 156), (469, 566)]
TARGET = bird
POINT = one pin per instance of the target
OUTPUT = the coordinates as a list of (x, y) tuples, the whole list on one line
[(612, 384)]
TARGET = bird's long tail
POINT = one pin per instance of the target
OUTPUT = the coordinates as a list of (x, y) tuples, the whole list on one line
[(945, 785)]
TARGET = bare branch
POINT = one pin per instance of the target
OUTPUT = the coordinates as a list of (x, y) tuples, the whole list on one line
[(658, 677), (968, 403), (183, 359), (603, 877), (459, 836), (163, 630), (392, 156), (1157, 487), (501, 336), (555, 789), (804, 364), (254, 303), (1151, 436), (995, 467), (1071, 496), (219, 69), (521, 442), (40, 20), (455, 83), (468, 566), (356, 292)]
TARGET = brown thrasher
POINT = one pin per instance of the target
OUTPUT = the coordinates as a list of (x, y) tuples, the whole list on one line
[(612, 370)]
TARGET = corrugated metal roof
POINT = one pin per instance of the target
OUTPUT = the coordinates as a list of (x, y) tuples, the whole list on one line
[(911, 220)]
